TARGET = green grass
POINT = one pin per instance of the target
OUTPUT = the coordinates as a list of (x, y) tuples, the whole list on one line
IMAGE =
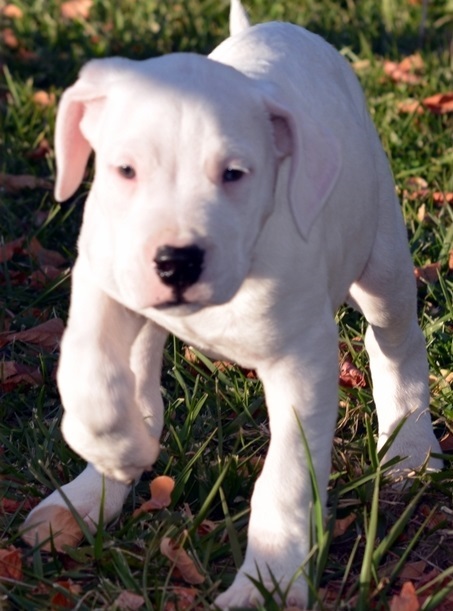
[(216, 426)]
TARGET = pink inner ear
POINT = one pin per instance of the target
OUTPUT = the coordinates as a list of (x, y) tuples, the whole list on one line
[(72, 150), (282, 136)]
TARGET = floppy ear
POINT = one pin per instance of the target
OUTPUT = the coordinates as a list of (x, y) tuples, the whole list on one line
[(315, 161), (78, 120)]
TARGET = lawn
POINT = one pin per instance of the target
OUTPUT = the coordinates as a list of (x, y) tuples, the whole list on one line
[(388, 552)]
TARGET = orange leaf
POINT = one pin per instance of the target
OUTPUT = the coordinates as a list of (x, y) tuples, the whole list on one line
[(11, 563), (60, 599), (440, 103), (410, 106), (12, 11), (181, 560), (76, 9), (407, 600), (440, 198), (44, 98), (405, 70), (342, 525), (52, 521), (350, 375), (11, 505), (10, 39), (160, 488)]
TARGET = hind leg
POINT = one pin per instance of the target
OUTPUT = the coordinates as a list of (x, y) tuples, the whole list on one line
[(386, 295)]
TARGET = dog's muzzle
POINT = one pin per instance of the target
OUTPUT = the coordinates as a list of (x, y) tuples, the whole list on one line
[(179, 268)]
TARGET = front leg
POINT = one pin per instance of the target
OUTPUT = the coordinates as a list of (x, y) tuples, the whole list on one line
[(102, 421), (301, 391)]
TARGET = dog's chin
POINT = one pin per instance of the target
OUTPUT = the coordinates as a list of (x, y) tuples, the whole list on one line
[(178, 308)]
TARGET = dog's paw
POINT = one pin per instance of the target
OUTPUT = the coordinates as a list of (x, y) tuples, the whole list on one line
[(243, 593), (52, 522), (119, 455)]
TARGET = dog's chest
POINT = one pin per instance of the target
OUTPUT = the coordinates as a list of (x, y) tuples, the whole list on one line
[(243, 330)]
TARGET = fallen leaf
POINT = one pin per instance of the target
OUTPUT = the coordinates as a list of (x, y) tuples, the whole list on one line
[(416, 182), (13, 374), (440, 198), (12, 505), (12, 11), (450, 260), (181, 561), (76, 9), (12, 183), (9, 249), (60, 599), (446, 443), (406, 70), (440, 103), (47, 335), (43, 255), (11, 563), (128, 601), (39, 152), (407, 600), (361, 64), (160, 488), (350, 375), (10, 39), (44, 98), (428, 273), (412, 571), (52, 521), (342, 525), (185, 599), (410, 106)]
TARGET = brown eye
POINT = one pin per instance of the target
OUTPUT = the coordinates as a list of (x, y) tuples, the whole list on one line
[(232, 175), (126, 171)]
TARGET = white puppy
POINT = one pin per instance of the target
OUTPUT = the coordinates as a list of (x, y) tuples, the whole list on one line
[(238, 201)]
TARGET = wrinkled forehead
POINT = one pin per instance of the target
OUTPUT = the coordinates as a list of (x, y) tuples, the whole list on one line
[(180, 95)]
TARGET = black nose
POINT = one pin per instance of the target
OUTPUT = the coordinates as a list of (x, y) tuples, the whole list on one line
[(179, 267)]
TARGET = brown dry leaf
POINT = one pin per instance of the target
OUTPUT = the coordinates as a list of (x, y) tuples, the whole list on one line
[(43, 255), (406, 70), (76, 9), (413, 571), (45, 275), (13, 374), (11, 505), (440, 103), (342, 525), (450, 260), (12, 183), (47, 335), (446, 443), (8, 250), (428, 273), (39, 152), (361, 65), (160, 488), (11, 563), (350, 375), (54, 521), (128, 601), (44, 98), (12, 11), (181, 560), (416, 183), (407, 600), (10, 39), (60, 600), (185, 600)]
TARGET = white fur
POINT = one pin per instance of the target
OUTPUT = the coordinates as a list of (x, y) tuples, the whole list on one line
[(314, 221)]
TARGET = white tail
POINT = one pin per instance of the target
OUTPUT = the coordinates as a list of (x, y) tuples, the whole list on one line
[(239, 20)]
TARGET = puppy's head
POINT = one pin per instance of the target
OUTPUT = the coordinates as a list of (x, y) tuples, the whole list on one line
[(187, 154)]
